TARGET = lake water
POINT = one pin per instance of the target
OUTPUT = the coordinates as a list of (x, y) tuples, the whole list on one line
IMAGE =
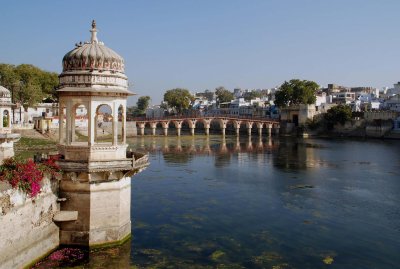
[(272, 203)]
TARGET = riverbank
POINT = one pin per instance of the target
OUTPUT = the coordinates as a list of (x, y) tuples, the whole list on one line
[(355, 134)]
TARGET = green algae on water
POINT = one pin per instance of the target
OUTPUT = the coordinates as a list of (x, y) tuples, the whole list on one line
[(217, 255), (328, 260)]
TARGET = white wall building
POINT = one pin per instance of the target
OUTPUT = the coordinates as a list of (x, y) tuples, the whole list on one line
[(155, 112)]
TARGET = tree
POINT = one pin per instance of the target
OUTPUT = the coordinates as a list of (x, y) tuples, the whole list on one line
[(29, 91), (223, 95), (296, 92), (27, 83), (337, 114), (8, 77), (49, 83), (252, 95), (142, 104), (178, 98)]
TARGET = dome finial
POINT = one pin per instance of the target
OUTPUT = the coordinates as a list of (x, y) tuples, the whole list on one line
[(94, 33)]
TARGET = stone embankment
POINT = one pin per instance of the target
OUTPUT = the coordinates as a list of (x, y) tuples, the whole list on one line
[(27, 230)]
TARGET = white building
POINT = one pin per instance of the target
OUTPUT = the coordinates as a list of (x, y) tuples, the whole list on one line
[(155, 112), (393, 103), (7, 138)]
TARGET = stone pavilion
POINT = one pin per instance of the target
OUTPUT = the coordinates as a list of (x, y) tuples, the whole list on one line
[(96, 183), (7, 138)]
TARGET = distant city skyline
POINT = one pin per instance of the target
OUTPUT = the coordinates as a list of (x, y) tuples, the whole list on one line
[(201, 45)]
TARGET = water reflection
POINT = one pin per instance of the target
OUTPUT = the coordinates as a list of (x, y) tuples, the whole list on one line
[(269, 203), (286, 154)]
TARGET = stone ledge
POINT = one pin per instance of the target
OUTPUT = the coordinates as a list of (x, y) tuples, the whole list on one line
[(62, 216)]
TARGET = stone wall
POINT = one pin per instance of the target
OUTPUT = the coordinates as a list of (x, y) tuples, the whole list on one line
[(380, 115), (27, 230), (379, 128)]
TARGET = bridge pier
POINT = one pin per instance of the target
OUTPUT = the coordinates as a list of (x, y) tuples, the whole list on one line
[(192, 131), (207, 130), (165, 127), (249, 131), (237, 146), (237, 131), (178, 131), (269, 128), (223, 123), (153, 126), (259, 127), (236, 124), (141, 128)]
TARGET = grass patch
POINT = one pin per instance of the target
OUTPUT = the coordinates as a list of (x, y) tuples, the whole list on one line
[(26, 142), (27, 147), (79, 137)]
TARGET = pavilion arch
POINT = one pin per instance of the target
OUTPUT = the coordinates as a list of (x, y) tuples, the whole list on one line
[(121, 124), (79, 124), (62, 123), (103, 124), (6, 116)]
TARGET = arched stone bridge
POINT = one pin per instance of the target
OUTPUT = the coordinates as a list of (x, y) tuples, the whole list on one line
[(222, 121)]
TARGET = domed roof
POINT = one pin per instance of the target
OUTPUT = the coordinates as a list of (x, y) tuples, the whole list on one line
[(4, 93), (93, 55)]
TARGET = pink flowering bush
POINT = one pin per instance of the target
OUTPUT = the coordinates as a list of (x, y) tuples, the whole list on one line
[(26, 175), (63, 257)]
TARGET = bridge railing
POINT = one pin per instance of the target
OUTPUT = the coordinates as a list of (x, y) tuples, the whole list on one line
[(216, 116)]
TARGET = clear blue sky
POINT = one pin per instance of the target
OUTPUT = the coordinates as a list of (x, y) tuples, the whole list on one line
[(202, 44)]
